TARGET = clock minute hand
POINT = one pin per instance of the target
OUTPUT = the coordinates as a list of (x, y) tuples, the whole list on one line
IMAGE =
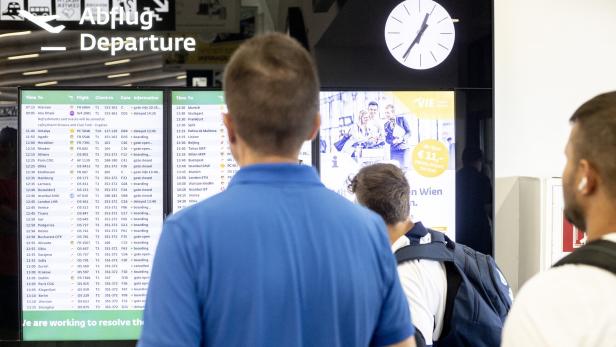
[(423, 28)]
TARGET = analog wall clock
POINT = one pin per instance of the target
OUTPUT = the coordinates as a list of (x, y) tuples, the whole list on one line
[(419, 34)]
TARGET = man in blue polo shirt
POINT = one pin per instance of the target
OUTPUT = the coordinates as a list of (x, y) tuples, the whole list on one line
[(276, 259)]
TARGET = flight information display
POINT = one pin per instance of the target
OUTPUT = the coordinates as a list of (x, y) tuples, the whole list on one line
[(91, 210), (412, 130), (201, 158)]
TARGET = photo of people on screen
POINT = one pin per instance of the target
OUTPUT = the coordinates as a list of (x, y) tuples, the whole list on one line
[(398, 136), (357, 124)]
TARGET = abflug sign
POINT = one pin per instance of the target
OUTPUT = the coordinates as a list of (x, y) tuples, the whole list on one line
[(114, 44), (114, 18)]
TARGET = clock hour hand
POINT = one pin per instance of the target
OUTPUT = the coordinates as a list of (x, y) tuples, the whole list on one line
[(422, 29)]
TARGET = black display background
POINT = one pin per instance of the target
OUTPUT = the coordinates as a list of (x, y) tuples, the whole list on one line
[(352, 55)]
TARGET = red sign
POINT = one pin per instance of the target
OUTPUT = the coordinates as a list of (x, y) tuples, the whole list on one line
[(573, 238)]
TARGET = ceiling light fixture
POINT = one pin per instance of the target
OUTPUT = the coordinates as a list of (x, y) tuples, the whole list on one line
[(25, 56), (18, 33), (38, 72), (50, 83), (181, 77), (116, 62), (119, 75)]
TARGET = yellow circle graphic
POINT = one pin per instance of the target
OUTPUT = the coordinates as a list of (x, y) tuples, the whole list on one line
[(430, 158)]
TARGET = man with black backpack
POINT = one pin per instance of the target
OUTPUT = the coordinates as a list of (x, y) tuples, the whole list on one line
[(573, 303), (457, 296)]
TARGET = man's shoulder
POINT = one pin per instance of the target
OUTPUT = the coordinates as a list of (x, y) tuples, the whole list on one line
[(351, 217), (218, 206), (564, 281), (344, 208), (563, 306), (424, 269), (236, 199), (211, 203), (431, 270)]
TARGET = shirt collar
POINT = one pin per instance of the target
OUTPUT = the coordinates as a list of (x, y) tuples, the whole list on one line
[(276, 173), (417, 229)]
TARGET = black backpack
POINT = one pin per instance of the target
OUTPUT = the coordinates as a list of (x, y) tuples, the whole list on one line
[(599, 253), (478, 296)]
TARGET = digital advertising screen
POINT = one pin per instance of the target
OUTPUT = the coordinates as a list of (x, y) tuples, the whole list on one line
[(91, 210), (412, 130), (201, 158)]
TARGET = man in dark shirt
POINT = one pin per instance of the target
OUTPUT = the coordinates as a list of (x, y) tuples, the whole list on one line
[(398, 136), (473, 203)]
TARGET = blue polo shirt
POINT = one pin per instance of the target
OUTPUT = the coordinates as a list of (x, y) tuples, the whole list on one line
[(275, 260)]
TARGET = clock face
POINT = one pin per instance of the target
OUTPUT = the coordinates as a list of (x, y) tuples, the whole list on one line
[(419, 34)]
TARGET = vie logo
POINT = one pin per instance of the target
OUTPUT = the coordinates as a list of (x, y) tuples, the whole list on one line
[(425, 102)]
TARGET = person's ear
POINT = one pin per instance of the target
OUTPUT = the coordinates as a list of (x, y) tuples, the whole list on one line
[(316, 125), (589, 178), (231, 135)]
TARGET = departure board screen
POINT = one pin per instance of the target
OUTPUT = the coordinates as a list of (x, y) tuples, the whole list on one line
[(201, 158), (91, 176)]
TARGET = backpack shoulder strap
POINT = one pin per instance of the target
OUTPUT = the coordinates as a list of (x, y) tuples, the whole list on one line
[(454, 280), (600, 253), (439, 249), (430, 251)]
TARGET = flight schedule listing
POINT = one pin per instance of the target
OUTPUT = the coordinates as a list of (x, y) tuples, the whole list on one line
[(201, 158), (91, 210)]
